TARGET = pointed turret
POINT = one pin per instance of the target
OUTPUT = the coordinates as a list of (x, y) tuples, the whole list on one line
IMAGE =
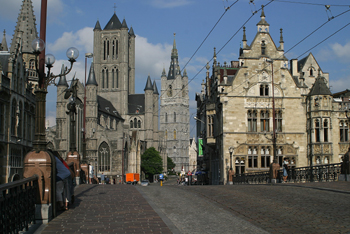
[(124, 25), (263, 26), (131, 32), (163, 73), (97, 25), (244, 39), (25, 24), (214, 58), (149, 85), (320, 86), (155, 89), (91, 80), (185, 73), (4, 43), (281, 40), (174, 68), (62, 81)]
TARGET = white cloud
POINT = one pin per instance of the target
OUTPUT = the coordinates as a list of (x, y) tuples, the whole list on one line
[(169, 4), (151, 58), (82, 40), (341, 51), (339, 85)]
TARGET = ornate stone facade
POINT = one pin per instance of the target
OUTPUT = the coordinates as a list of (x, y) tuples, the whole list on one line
[(308, 120)]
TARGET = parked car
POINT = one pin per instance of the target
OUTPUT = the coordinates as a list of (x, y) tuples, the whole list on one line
[(144, 183)]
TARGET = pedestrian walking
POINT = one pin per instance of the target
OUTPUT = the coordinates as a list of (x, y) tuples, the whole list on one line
[(285, 170), (102, 178)]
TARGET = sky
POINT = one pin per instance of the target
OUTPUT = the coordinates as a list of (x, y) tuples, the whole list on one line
[(200, 25)]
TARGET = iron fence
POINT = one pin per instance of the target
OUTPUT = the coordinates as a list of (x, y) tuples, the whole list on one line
[(17, 204), (318, 173)]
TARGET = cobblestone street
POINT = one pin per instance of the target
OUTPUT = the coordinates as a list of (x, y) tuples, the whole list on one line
[(281, 208)]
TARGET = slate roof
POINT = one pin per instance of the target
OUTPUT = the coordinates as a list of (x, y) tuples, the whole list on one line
[(149, 85), (91, 80), (62, 81), (155, 89), (114, 23), (97, 25), (320, 87), (107, 107), (136, 102)]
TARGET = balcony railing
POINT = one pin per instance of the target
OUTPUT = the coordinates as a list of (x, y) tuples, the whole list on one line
[(17, 204), (319, 173)]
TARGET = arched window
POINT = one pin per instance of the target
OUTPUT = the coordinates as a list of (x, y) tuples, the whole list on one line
[(252, 157), (174, 134), (344, 131), (264, 121), (19, 119), (104, 161), (103, 78), (139, 123), (107, 81), (13, 117), (240, 165), (252, 121), (317, 131), (325, 130), (311, 72), (2, 117), (104, 50), (264, 90), (170, 91), (166, 117), (131, 124), (174, 117), (278, 117), (263, 48), (135, 123)]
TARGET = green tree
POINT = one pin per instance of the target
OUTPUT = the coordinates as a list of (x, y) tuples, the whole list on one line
[(171, 164), (151, 162)]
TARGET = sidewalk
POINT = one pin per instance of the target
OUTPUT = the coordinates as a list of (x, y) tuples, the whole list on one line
[(336, 186), (108, 209)]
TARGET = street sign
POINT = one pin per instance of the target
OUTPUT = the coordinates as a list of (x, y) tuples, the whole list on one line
[(189, 173), (161, 176)]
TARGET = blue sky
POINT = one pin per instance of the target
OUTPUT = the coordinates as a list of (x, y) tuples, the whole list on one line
[(70, 23)]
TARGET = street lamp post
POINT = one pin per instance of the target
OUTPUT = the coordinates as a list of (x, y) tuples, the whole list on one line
[(274, 135), (87, 55)]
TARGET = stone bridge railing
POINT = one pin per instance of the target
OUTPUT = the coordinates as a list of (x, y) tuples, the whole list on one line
[(17, 204), (319, 173)]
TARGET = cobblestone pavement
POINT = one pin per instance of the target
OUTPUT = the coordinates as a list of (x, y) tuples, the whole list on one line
[(108, 209), (281, 208)]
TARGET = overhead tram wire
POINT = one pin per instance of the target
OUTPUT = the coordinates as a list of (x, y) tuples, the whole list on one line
[(299, 43), (308, 3), (275, 71), (226, 9)]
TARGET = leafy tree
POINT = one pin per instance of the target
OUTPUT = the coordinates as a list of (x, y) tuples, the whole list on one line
[(151, 162), (171, 164)]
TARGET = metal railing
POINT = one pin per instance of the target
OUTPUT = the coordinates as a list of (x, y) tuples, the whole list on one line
[(17, 204), (319, 173)]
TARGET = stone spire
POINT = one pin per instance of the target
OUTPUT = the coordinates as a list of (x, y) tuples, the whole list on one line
[(244, 39), (26, 24), (263, 26), (155, 89), (62, 81), (281, 40), (174, 68), (149, 85), (97, 25), (91, 79), (4, 43)]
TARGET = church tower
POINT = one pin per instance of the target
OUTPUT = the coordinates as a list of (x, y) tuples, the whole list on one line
[(174, 112), (27, 32), (114, 62)]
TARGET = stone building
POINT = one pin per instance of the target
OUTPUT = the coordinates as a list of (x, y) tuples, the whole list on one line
[(174, 112), (17, 101), (240, 100), (119, 124)]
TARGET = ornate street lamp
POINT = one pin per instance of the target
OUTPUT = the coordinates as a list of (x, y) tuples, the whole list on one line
[(230, 149), (45, 80)]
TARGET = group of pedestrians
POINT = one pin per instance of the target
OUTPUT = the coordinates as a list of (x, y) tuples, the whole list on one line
[(64, 183)]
